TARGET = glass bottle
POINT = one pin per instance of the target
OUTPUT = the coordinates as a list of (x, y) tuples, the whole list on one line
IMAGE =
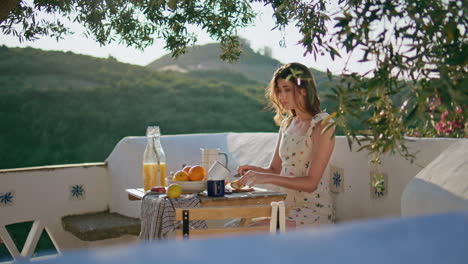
[(154, 160)]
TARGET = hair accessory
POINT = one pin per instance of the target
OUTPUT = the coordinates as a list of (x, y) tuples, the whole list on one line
[(298, 81)]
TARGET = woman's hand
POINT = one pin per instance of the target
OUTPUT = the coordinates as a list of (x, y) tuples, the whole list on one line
[(244, 168), (252, 177)]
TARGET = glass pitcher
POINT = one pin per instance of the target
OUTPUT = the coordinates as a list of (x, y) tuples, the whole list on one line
[(154, 160)]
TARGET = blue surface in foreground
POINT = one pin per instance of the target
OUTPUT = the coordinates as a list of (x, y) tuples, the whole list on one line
[(441, 238)]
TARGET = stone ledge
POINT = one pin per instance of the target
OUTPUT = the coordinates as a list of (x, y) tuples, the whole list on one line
[(100, 225), (56, 167)]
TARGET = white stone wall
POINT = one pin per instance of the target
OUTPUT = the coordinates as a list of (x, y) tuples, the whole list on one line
[(354, 198), (442, 186), (356, 201), (45, 195)]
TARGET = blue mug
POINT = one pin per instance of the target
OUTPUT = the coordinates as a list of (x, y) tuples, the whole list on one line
[(215, 188)]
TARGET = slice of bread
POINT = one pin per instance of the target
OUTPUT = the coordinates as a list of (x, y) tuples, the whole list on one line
[(235, 185)]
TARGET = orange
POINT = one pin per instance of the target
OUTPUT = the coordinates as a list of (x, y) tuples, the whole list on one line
[(187, 169), (181, 176), (197, 173)]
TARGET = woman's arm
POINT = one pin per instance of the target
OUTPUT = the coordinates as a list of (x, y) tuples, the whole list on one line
[(273, 168), (321, 152)]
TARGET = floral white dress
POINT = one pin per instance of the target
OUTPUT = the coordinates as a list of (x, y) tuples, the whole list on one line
[(307, 209)]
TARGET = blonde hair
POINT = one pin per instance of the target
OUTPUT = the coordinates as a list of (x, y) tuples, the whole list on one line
[(302, 78)]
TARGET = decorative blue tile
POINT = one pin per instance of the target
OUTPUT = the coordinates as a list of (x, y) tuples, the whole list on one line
[(77, 192), (336, 179), (378, 185), (7, 198)]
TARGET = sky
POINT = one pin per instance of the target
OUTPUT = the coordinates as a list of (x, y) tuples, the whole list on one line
[(260, 34)]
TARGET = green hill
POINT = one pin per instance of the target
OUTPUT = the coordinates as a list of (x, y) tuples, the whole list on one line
[(252, 65), (61, 107), (202, 61), (58, 107)]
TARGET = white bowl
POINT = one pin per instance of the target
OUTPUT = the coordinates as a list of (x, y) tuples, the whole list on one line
[(190, 186)]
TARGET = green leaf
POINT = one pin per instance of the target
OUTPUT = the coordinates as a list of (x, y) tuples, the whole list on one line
[(350, 142), (363, 148), (373, 99), (329, 75)]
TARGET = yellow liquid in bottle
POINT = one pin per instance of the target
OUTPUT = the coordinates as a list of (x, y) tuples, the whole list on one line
[(153, 175)]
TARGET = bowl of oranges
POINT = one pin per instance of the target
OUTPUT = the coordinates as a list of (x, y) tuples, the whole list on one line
[(192, 179)]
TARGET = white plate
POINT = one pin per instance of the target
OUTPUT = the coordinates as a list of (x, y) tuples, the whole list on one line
[(190, 186)]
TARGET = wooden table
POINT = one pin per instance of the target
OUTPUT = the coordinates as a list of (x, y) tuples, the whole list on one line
[(259, 196)]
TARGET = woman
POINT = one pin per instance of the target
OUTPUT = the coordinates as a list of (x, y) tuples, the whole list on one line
[(303, 148)]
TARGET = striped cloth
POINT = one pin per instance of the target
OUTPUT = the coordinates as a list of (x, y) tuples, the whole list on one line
[(158, 215)]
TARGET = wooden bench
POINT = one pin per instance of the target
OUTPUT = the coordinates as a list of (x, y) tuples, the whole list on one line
[(100, 225)]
